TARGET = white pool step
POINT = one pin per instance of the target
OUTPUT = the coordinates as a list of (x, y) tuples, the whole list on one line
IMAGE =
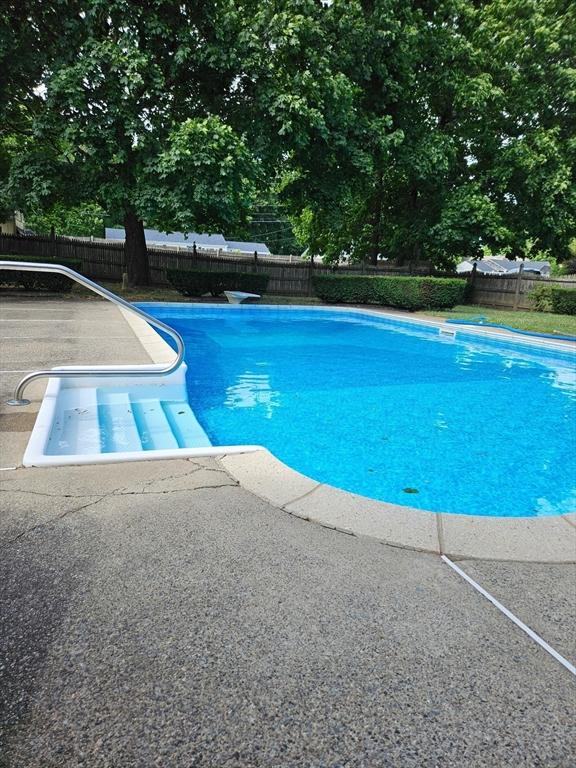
[(84, 420), (100, 420), (130, 424), (77, 429), (185, 425), (117, 422), (154, 428)]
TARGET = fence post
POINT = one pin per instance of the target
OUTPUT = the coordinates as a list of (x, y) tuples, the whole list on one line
[(472, 281), (474, 272), (518, 287), (310, 275)]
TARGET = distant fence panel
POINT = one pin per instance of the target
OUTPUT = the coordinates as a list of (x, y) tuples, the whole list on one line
[(500, 291), (99, 261), (102, 260)]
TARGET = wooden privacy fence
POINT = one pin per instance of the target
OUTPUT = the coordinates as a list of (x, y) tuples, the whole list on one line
[(105, 261), (512, 292)]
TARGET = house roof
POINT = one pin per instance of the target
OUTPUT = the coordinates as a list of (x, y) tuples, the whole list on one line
[(534, 266), (154, 236), (236, 245), (506, 266), (202, 240)]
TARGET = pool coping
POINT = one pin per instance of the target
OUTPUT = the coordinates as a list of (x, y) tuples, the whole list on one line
[(535, 539), (525, 539)]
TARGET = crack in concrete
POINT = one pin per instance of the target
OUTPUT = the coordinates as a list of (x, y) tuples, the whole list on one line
[(175, 490), (299, 498), (207, 469), (146, 484), (122, 491), (54, 519), (98, 498), (52, 495)]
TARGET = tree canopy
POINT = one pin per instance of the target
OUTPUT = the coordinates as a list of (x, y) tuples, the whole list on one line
[(463, 135), (431, 129)]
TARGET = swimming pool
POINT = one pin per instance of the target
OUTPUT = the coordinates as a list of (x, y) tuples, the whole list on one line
[(387, 408)]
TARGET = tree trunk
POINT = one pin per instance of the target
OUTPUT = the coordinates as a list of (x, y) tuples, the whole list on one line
[(135, 251)]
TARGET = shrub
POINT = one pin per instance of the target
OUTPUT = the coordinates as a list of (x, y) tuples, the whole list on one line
[(348, 289), (190, 282), (554, 298), (563, 300), (541, 299), (410, 293), (38, 281)]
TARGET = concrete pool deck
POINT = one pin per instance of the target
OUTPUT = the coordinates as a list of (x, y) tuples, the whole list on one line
[(159, 613)]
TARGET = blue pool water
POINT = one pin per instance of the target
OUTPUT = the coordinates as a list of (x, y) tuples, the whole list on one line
[(388, 409)]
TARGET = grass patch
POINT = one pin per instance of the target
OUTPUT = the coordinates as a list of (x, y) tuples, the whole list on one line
[(169, 294), (132, 294), (541, 322)]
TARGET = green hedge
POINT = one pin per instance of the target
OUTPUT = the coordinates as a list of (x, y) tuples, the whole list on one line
[(410, 293), (554, 298), (38, 281), (197, 283), (563, 301)]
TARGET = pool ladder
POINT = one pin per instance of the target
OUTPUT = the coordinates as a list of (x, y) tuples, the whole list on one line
[(72, 372)]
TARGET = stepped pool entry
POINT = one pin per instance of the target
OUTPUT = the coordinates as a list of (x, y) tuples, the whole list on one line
[(129, 417), (390, 409)]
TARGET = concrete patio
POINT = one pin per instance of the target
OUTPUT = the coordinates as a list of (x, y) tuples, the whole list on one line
[(158, 613)]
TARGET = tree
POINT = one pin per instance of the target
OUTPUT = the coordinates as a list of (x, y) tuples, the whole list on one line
[(135, 109), (172, 113), (375, 185), (524, 144), (430, 129), (77, 221), (464, 114)]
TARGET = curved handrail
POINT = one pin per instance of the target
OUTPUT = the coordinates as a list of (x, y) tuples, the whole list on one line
[(25, 266)]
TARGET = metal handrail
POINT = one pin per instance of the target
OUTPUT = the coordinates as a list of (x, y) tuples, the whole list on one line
[(25, 266)]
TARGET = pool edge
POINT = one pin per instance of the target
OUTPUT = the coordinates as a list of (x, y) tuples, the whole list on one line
[(460, 537)]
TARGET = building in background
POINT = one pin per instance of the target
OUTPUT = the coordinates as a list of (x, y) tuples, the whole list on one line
[(203, 241), (13, 224), (504, 267)]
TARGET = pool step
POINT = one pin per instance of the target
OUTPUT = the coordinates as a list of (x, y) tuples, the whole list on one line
[(117, 422), (104, 420), (154, 428), (77, 429), (185, 425), (96, 419)]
